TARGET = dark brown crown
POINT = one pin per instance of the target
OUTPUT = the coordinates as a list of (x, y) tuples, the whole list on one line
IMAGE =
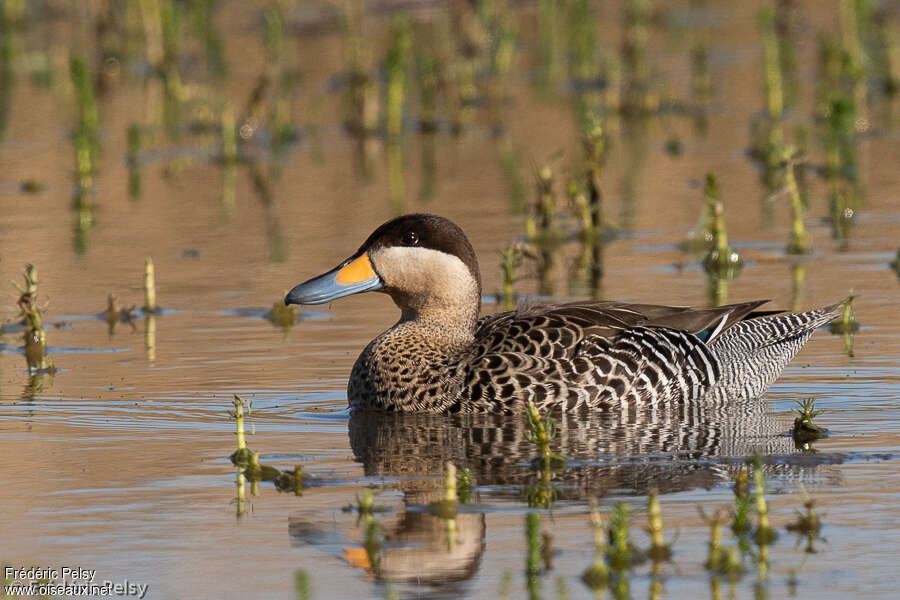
[(425, 231)]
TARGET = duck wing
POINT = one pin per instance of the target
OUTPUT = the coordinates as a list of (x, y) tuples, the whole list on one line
[(590, 353), (608, 319)]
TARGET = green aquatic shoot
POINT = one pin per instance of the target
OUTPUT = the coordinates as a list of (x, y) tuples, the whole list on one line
[(637, 98), (764, 533), (510, 261), (701, 81), (153, 37), (445, 508), (366, 515), (540, 224), (398, 64), (541, 432), (659, 550), (150, 306), (31, 314), (533, 557), (808, 521), (800, 240), (621, 551), (716, 556), (243, 455), (806, 410), (550, 37), (85, 136), (229, 136), (595, 142), (450, 489), (596, 576), (805, 430), (170, 23), (465, 486), (702, 236), (722, 261), (134, 161), (365, 503), (243, 506), (740, 522), (534, 541), (772, 64), (846, 324), (505, 588), (302, 585)]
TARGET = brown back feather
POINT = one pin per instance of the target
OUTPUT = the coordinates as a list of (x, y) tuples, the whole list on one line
[(606, 318)]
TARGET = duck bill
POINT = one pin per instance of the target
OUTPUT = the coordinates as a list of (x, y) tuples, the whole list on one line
[(353, 276)]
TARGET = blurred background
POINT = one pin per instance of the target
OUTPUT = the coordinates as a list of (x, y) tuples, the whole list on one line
[(171, 167)]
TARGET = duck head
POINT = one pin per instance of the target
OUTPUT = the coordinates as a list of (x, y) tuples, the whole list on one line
[(424, 262)]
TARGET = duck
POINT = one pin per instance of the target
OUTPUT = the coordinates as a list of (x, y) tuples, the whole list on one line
[(442, 356)]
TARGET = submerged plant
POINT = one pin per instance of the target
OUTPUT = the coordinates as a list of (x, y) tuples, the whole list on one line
[(115, 314), (291, 481), (256, 472), (807, 522), (283, 315), (804, 430)]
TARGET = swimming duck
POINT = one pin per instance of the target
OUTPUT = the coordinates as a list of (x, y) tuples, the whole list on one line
[(441, 357)]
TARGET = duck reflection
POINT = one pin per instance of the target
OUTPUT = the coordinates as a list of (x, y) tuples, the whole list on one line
[(628, 451), (420, 547), (412, 545)]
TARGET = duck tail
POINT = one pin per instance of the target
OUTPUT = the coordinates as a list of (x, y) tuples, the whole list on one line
[(753, 352)]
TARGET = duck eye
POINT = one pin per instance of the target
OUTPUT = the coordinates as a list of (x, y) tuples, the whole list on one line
[(410, 238)]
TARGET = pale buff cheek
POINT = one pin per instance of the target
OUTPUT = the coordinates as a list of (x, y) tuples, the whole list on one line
[(426, 276)]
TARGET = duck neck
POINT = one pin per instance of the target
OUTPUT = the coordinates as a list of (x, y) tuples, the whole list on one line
[(447, 326)]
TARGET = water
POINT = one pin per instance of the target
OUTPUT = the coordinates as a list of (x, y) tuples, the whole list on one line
[(119, 461)]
